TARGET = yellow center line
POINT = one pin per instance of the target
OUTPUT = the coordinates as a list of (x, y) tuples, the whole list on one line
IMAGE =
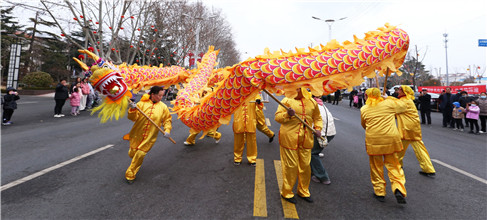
[(288, 208), (260, 204)]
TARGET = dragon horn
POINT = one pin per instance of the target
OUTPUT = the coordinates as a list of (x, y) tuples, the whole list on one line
[(90, 54), (83, 65)]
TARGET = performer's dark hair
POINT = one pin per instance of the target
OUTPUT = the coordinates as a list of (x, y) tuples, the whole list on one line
[(155, 90)]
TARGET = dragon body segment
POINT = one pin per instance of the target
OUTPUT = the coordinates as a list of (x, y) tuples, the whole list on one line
[(323, 70)]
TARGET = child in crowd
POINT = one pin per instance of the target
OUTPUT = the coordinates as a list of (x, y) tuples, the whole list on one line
[(75, 100), (458, 114), (473, 112)]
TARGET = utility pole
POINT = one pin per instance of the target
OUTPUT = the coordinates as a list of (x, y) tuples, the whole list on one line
[(446, 55)]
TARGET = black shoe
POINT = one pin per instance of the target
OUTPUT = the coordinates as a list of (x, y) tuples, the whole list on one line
[(272, 138), (291, 200), (400, 197), (427, 174), (307, 199), (380, 198), (130, 182), (253, 164)]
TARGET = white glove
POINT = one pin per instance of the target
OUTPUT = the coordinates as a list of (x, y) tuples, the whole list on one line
[(167, 135), (133, 105), (384, 96)]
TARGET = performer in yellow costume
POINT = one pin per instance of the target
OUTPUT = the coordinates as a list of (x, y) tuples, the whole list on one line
[(191, 140), (261, 125), (296, 142), (410, 131), (244, 127), (144, 134), (383, 142)]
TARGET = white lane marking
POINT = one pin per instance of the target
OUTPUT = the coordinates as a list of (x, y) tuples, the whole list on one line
[(460, 171), (47, 170), (20, 103)]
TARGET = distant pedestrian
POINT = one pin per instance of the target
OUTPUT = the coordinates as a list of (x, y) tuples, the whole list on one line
[(75, 100), (483, 111), (351, 97), (463, 100), (60, 96), (360, 96), (337, 97), (425, 106), (9, 105), (446, 106), (473, 112)]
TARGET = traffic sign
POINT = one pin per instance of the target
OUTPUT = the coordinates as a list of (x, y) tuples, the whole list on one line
[(482, 42)]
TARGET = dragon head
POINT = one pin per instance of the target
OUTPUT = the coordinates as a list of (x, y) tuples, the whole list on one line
[(109, 82)]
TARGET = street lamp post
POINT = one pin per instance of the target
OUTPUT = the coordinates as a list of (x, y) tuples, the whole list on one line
[(197, 33), (446, 55), (329, 22)]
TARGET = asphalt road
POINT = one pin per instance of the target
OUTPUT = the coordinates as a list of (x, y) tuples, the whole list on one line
[(201, 182)]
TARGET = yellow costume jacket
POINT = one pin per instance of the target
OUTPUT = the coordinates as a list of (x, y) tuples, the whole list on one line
[(244, 118), (381, 134), (294, 133), (144, 134), (408, 122)]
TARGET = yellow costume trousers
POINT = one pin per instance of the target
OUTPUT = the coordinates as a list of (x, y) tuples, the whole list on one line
[(295, 164), (396, 176), (137, 159), (421, 154), (192, 136), (239, 145)]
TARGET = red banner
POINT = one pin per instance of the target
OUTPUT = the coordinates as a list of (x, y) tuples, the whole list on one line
[(469, 89)]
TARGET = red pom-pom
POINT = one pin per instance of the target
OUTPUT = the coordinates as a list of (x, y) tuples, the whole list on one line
[(131, 46), (132, 17), (75, 19), (81, 16), (97, 22), (110, 27), (94, 32), (63, 35), (81, 57), (91, 49), (123, 16), (155, 30), (138, 29), (121, 28), (113, 49)]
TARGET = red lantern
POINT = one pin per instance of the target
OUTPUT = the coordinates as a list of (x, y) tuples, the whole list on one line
[(155, 48), (132, 17), (113, 49), (98, 42), (141, 41), (75, 19), (94, 32), (138, 29), (110, 27), (147, 50), (123, 16), (152, 26), (131, 46), (117, 51), (81, 16), (96, 22), (155, 30), (63, 35), (91, 20), (121, 28)]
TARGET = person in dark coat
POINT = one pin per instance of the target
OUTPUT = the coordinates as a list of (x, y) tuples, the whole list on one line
[(9, 105), (337, 97), (62, 93), (425, 106), (446, 107)]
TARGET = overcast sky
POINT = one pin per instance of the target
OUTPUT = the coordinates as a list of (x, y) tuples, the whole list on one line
[(286, 24)]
